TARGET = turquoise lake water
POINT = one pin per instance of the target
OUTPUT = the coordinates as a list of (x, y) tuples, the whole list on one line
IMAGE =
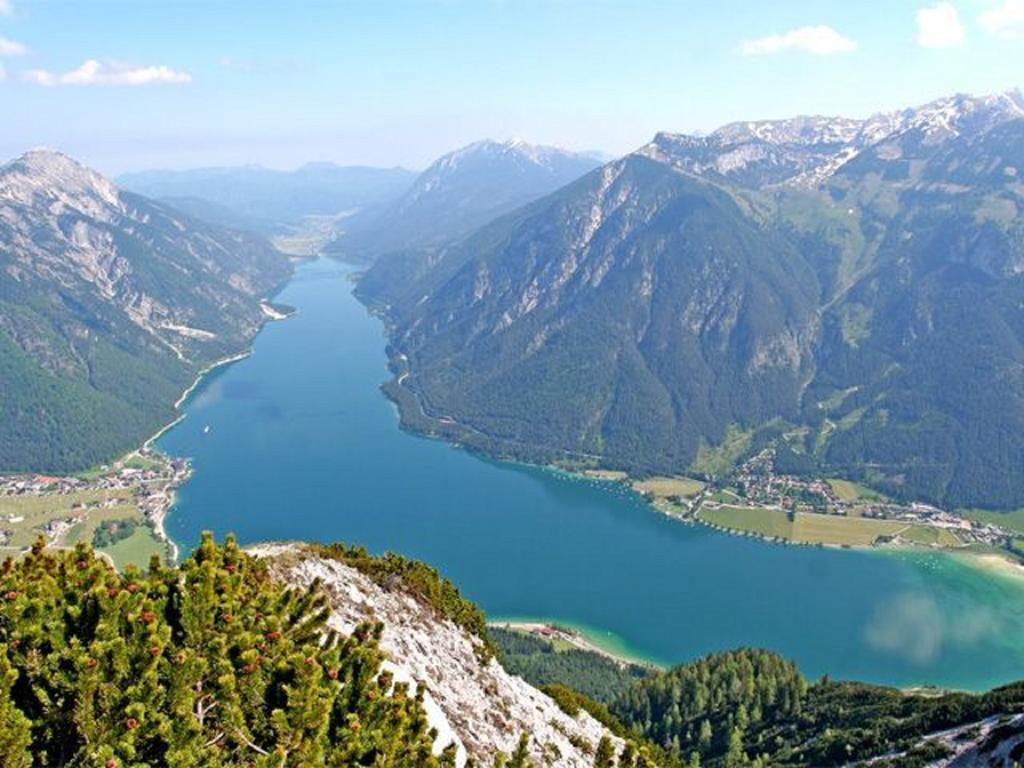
[(302, 445)]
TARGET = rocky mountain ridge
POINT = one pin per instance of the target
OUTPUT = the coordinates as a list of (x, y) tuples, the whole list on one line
[(459, 192), (805, 151), (109, 304), (804, 277), (477, 706)]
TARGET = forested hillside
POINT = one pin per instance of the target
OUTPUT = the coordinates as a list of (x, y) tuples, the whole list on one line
[(852, 285), (110, 305), (754, 708)]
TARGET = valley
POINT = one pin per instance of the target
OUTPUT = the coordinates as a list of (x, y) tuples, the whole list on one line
[(431, 384), (301, 444), (306, 431)]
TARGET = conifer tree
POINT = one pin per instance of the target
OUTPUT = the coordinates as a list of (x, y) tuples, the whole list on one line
[(605, 755), (212, 665), (15, 736)]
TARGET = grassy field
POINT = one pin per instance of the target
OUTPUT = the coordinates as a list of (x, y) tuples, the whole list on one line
[(1012, 521), (137, 549), (84, 531), (726, 496), (811, 528), (716, 460), (772, 523), (850, 491), (930, 536), (842, 531), (37, 511), (663, 487), (138, 461)]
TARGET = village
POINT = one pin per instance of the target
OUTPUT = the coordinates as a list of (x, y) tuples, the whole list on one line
[(757, 500), (65, 510)]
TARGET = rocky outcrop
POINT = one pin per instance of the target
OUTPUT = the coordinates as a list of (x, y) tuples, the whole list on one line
[(476, 705)]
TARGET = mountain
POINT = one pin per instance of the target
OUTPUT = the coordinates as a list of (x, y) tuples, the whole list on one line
[(461, 191), (471, 702), (850, 287), (268, 201), (110, 304)]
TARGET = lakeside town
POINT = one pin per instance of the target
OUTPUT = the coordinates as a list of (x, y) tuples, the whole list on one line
[(134, 493), (757, 500)]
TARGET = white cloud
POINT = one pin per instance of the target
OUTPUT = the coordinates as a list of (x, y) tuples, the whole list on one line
[(1005, 20), (938, 26), (3, 73), (94, 72), (820, 40), (6, 8), (11, 47)]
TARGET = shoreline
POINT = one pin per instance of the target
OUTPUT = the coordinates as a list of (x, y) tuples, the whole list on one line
[(1003, 566), (415, 419), (992, 562), (579, 638), (159, 520)]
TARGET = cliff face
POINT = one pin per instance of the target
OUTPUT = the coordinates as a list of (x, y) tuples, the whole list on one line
[(479, 707)]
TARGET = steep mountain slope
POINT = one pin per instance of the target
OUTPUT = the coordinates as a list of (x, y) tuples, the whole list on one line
[(266, 201), (616, 316), (458, 193), (109, 306), (854, 285), (473, 704)]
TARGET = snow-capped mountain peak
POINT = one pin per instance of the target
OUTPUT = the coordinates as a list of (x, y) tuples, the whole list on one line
[(510, 148), (806, 150), (803, 130), (489, 156)]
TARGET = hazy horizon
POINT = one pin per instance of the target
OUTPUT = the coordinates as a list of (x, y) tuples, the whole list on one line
[(128, 86)]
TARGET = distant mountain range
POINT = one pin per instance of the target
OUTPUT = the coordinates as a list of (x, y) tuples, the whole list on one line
[(110, 304), (268, 201), (851, 289), (458, 193)]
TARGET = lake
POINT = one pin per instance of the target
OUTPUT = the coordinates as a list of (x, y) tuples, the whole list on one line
[(297, 442)]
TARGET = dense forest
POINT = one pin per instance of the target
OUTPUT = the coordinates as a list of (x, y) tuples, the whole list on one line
[(752, 707), (540, 663), (708, 707)]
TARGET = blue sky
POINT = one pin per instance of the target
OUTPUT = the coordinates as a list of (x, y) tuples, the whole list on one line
[(130, 84)]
